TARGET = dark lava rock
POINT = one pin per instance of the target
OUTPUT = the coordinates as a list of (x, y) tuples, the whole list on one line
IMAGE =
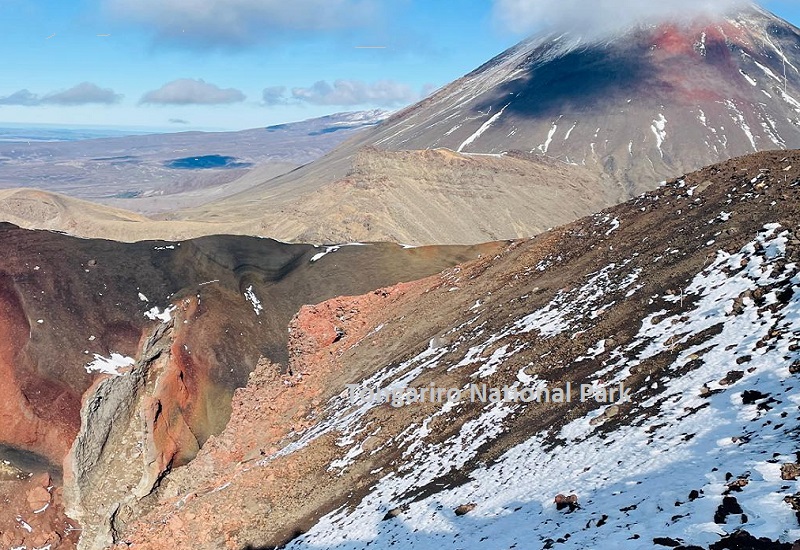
[(729, 506), (465, 509), (749, 397), (742, 540)]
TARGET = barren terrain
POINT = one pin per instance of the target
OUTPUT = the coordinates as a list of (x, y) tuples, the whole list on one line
[(688, 296)]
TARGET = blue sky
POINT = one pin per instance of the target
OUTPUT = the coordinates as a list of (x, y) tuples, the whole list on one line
[(234, 64)]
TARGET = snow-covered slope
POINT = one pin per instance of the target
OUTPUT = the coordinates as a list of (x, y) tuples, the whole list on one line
[(634, 480)]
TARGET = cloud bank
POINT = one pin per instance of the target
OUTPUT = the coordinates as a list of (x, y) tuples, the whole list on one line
[(84, 93), (187, 91), (237, 23), (598, 17), (344, 92)]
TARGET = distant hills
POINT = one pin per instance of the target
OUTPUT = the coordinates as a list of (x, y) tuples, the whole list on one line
[(91, 165)]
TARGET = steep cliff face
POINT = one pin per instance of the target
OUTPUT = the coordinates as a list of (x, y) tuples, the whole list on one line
[(120, 360), (687, 297)]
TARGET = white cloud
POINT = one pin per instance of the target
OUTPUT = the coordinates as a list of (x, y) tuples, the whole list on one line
[(22, 97), (386, 93), (234, 23), (187, 91), (599, 17), (275, 95), (84, 93)]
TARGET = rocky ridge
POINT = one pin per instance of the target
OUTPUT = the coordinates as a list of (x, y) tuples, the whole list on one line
[(120, 360)]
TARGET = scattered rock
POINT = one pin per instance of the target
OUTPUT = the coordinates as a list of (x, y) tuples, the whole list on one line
[(729, 506), (38, 498), (742, 540), (438, 342), (738, 305), (794, 502), (396, 511), (8, 471), (738, 484), (610, 412), (563, 502), (732, 377), (666, 541), (790, 471), (749, 397), (794, 368), (705, 391), (465, 509)]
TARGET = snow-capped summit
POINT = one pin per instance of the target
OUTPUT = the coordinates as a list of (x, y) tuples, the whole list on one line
[(643, 104)]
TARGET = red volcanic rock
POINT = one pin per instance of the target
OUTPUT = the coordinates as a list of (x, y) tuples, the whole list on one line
[(38, 498), (33, 516), (32, 407), (270, 407)]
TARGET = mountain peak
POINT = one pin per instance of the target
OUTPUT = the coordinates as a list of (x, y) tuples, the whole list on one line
[(640, 105)]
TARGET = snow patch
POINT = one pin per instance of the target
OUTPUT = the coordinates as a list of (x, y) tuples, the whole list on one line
[(334, 248), (251, 297), (659, 129), (747, 77), (738, 117), (109, 365), (614, 226), (569, 132), (486, 125), (546, 145), (155, 314)]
